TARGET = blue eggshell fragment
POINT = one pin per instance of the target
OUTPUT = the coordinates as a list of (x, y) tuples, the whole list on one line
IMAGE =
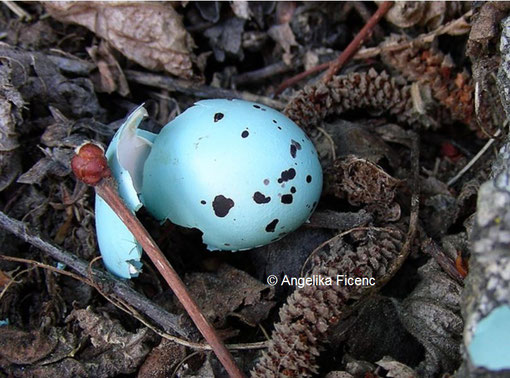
[(490, 345), (240, 172), (120, 251)]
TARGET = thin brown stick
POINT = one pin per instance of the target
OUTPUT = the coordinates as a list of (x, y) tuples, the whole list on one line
[(297, 78), (106, 189), (90, 166), (335, 65), (356, 43)]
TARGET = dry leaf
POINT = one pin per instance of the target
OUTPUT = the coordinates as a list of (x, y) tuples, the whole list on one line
[(229, 291), (395, 368), (283, 35), (111, 77), (241, 9), (110, 342), (23, 347), (151, 34)]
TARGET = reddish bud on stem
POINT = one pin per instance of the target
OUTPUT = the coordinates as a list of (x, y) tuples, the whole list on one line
[(89, 164)]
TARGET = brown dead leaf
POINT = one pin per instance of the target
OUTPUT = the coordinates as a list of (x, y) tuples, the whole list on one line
[(395, 368), (22, 347), (162, 360), (283, 35), (362, 182), (114, 350), (229, 291), (149, 33), (111, 77)]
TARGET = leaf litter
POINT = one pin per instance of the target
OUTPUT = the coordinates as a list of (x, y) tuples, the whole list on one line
[(73, 70)]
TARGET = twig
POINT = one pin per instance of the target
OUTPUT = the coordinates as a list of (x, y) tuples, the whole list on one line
[(297, 78), (17, 10), (90, 166), (431, 248), (452, 26), (365, 14), (189, 88), (124, 306), (371, 52), (106, 282), (12, 281), (261, 74), (356, 43), (454, 179)]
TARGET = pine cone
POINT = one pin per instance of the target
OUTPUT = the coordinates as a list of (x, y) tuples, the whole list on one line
[(354, 91), (311, 310), (429, 66)]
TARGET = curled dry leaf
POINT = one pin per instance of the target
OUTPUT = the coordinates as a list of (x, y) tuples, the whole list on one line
[(111, 77), (110, 342), (363, 182), (149, 33), (432, 314), (395, 368), (406, 14)]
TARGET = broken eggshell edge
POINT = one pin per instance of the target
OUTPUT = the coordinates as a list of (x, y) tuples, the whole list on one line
[(126, 155)]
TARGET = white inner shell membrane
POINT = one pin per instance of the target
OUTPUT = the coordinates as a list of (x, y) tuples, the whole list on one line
[(208, 168)]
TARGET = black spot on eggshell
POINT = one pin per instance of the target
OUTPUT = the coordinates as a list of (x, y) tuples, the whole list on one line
[(245, 133), (256, 106), (293, 189), (287, 199), (260, 198), (218, 116), (203, 202), (274, 120), (279, 128), (271, 226), (308, 179), (266, 182), (293, 151), (222, 205), (287, 175), (294, 147), (226, 244)]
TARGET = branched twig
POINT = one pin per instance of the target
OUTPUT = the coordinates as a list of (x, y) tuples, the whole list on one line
[(455, 27), (124, 306), (107, 283)]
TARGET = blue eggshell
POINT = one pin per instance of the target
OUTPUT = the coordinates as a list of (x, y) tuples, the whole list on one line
[(490, 345), (120, 251), (240, 172)]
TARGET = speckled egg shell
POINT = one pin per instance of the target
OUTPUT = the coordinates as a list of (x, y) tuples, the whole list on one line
[(242, 173)]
